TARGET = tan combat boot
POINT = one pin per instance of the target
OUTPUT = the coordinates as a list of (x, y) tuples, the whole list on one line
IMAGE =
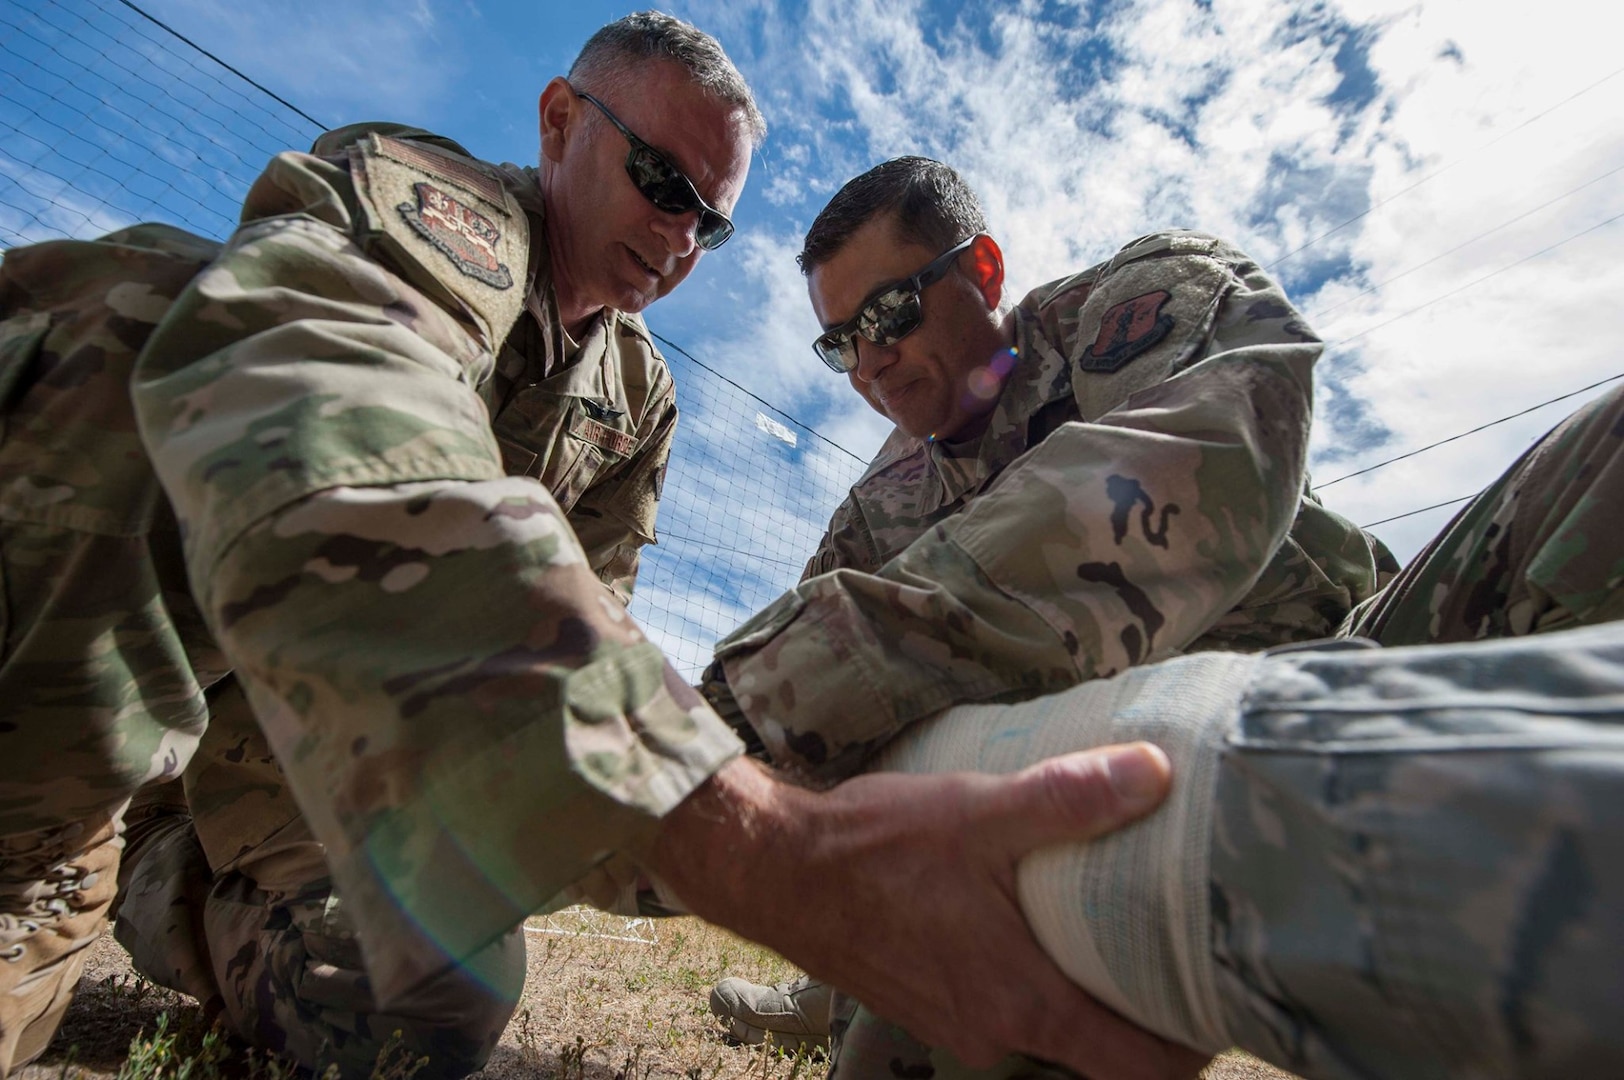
[(793, 1013)]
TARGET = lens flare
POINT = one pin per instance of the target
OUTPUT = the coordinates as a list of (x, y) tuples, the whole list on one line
[(985, 383)]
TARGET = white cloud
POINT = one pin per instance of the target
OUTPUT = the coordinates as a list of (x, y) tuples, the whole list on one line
[(1270, 124)]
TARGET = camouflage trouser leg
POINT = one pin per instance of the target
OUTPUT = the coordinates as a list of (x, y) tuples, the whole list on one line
[(1539, 550), (55, 888), (235, 905), (164, 886), (1417, 861), (1414, 865)]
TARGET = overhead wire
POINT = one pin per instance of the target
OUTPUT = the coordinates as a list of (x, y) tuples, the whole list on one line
[(1471, 431), (1463, 288), (1473, 283), (1443, 169), (798, 423), (1424, 509), (257, 86), (1322, 312)]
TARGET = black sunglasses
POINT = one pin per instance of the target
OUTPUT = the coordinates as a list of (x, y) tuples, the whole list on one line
[(663, 184), (886, 317)]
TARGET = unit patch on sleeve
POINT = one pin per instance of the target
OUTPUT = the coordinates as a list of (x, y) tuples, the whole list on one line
[(445, 226), (464, 235), (1127, 330)]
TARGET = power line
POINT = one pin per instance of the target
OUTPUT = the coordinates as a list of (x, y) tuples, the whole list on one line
[(1462, 435), (1424, 509), (803, 426), (271, 93), (1440, 171), (1475, 282), (1322, 312)]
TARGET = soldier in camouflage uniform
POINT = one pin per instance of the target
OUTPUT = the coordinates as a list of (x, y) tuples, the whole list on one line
[(225, 892), (1304, 795), (974, 388), (272, 460), (212, 858)]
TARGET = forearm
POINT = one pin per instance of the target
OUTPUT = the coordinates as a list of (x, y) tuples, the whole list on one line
[(719, 851), (1044, 581)]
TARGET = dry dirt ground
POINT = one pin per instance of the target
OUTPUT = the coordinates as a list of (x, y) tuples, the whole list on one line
[(594, 1008)]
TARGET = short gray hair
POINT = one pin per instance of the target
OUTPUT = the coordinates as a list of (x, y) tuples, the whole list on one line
[(933, 205), (609, 59)]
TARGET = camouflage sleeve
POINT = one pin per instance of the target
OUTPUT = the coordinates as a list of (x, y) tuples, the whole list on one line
[(466, 717), (844, 543), (1417, 863), (1111, 543), (615, 518)]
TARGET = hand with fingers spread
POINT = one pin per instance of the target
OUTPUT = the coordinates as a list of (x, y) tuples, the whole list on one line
[(901, 890)]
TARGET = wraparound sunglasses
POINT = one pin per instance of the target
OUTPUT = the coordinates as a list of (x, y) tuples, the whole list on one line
[(886, 317), (664, 185)]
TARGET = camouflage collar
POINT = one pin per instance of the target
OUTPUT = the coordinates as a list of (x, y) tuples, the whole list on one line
[(1041, 375)]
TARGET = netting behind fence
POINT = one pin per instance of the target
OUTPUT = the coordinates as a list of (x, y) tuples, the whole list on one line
[(109, 119)]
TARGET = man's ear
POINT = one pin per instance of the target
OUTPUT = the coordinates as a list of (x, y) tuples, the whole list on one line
[(987, 270), (555, 110)]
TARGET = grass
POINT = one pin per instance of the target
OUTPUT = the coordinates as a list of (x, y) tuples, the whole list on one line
[(594, 1008)]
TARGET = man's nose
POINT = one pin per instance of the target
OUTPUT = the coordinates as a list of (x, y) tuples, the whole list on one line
[(680, 232), (872, 359)]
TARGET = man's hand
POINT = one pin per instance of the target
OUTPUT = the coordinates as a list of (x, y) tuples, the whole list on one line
[(900, 890)]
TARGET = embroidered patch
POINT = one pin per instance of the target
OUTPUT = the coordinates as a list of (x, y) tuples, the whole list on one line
[(463, 235), (618, 442), (1127, 330), (602, 413)]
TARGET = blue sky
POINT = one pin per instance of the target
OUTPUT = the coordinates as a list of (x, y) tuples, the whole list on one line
[(1434, 182)]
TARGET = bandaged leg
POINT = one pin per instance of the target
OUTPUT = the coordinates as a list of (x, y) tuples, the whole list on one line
[(1374, 862), (1126, 917)]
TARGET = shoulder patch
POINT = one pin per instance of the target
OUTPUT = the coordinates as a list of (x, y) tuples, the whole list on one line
[(1126, 330), (463, 235), (448, 220)]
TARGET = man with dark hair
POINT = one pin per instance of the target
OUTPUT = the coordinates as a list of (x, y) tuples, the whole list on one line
[(355, 500), (1090, 484), (1210, 539)]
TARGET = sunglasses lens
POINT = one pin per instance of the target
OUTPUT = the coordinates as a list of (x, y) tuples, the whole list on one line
[(890, 317), (714, 229), (837, 351), (670, 191)]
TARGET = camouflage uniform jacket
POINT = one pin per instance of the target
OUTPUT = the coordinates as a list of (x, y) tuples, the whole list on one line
[(894, 620), (467, 717)]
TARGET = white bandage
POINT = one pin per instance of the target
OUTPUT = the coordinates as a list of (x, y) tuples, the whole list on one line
[(1125, 916)]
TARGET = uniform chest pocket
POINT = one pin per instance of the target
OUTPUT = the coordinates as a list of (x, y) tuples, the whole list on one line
[(560, 441)]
